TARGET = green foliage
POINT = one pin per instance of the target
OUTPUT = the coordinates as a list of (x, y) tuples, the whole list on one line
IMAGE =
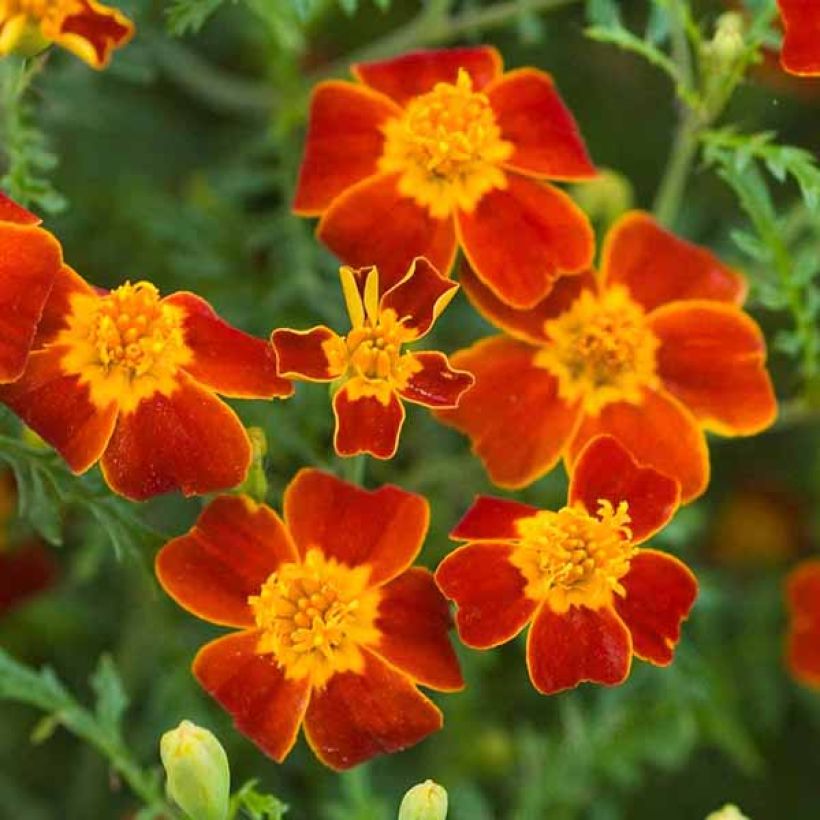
[(256, 805), (188, 16)]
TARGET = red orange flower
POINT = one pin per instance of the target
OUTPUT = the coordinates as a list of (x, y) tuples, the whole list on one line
[(373, 371), (592, 597), (129, 378), (336, 628), (30, 258), (803, 642), (801, 42), (85, 27), (652, 351), (456, 153)]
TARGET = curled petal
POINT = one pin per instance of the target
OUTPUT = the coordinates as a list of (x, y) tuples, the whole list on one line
[(189, 440), (521, 238), (526, 324), (660, 591), (226, 557), (91, 31), (57, 308), (10, 211), (606, 471), (659, 432), (533, 117), (343, 143), (713, 358), (658, 267), (577, 646), (517, 424), (366, 425), (414, 621), (803, 642), (265, 706), (420, 297), (492, 519), (358, 716), (227, 360), (301, 353), (410, 75), (489, 592), (58, 408), (383, 528), (436, 384), (801, 44), (357, 229)]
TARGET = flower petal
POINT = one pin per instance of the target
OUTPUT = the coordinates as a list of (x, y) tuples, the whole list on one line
[(227, 360), (414, 621), (57, 308), (577, 646), (606, 471), (343, 144), (30, 259), (365, 425), (224, 558), (383, 528), (520, 239), (58, 408), (420, 297), (10, 211), (491, 519), (265, 706), (437, 384), (301, 355), (489, 593), (659, 267), (515, 421), (526, 324), (25, 572), (659, 432), (355, 229), (91, 31), (801, 44), (358, 716), (803, 642), (660, 591), (189, 441), (405, 77), (533, 117), (713, 358)]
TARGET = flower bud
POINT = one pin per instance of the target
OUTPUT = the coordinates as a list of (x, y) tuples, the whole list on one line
[(727, 45), (728, 812), (426, 801), (199, 778), (256, 482), (605, 197), (23, 37)]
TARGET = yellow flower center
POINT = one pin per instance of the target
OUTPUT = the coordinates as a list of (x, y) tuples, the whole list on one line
[(314, 617), (601, 350), (126, 345), (571, 558), (447, 146)]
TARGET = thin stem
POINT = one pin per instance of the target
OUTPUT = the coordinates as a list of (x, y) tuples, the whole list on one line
[(673, 184), (354, 469)]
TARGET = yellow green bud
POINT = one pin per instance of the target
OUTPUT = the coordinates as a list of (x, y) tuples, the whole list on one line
[(256, 482), (728, 812), (199, 778), (426, 801), (605, 197), (728, 44)]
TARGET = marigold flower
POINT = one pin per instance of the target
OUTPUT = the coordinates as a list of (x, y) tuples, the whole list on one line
[(801, 42), (456, 152), (803, 642), (373, 370), (336, 628), (30, 258), (592, 596), (652, 351), (86, 28), (129, 379)]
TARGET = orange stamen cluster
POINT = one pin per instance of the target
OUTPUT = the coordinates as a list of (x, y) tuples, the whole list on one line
[(447, 146), (572, 558), (314, 616)]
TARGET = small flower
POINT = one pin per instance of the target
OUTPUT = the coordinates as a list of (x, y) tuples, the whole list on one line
[(373, 371), (29, 263), (84, 27), (336, 628), (199, 776), (654, 350), (801, 42), (592, 596), (803, 642), (129, 378), (425, 801), (439, 149)]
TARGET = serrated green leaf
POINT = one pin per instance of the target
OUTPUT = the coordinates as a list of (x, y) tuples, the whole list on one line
[(110, 693), (188, 16)]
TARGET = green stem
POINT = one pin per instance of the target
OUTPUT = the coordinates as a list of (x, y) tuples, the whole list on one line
[(673, 183), (354, 469)]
